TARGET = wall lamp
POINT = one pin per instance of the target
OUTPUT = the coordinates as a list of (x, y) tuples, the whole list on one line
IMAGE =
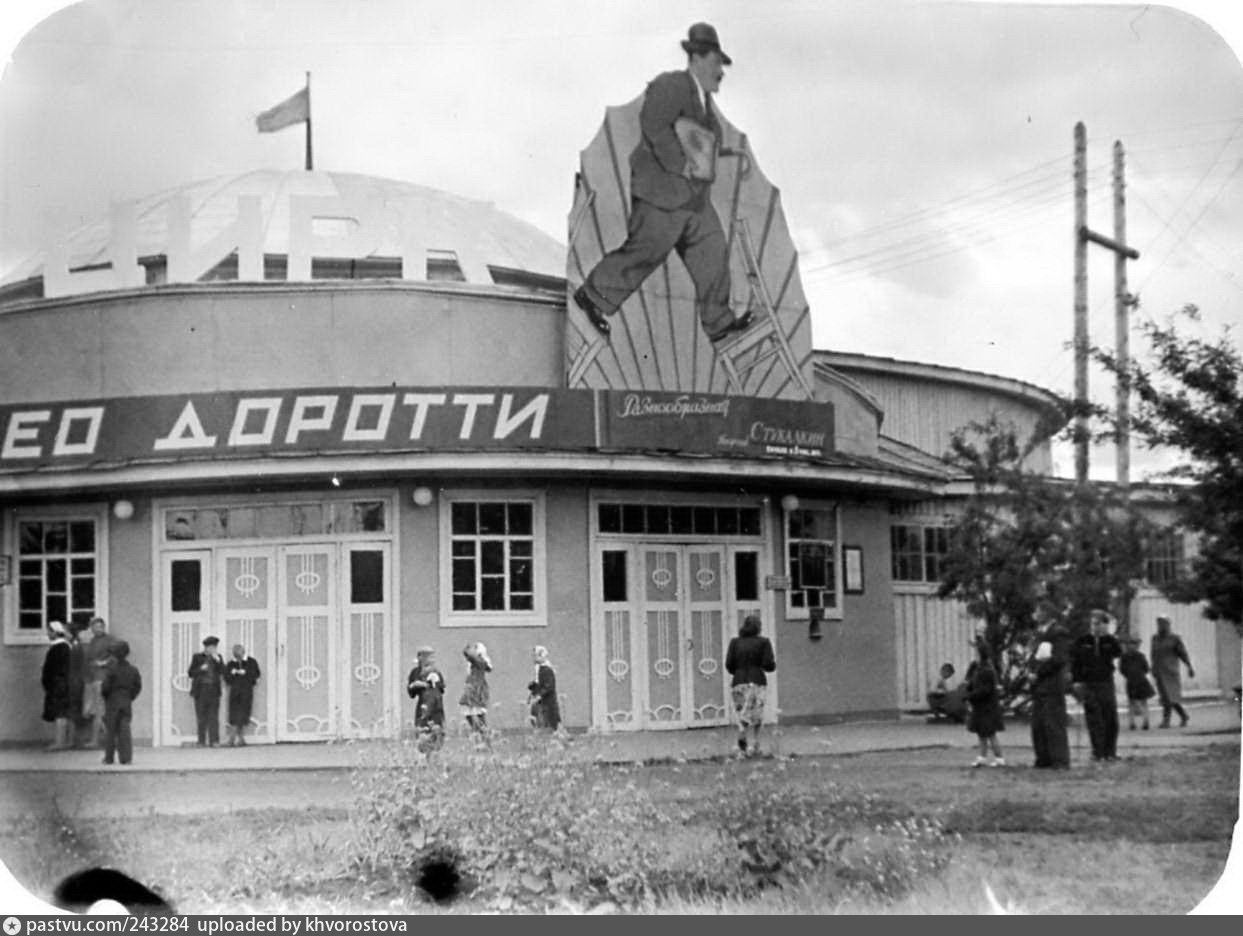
[(123, 509), (813, 624), (422, 496)]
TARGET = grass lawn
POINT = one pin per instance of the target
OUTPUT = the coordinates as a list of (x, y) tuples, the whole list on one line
[(894, 832)]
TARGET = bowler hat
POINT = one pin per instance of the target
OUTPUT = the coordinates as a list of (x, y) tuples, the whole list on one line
[(701, 38), (210, 641)]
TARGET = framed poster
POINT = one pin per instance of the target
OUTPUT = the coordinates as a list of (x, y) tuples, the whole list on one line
[(852, 563)]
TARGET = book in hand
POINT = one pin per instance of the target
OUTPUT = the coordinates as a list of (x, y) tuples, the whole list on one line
[(700, 146)]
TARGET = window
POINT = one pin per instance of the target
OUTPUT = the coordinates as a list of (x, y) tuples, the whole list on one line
[(678, 520), (275, 521), (918, 551), (1164, 559), (57, 572), (494, 560), (811, 560)]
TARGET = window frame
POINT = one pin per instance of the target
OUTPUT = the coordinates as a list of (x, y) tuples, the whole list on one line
[(793, 613), (924, 532), (97, 513), (1173, 561), (538, 615)]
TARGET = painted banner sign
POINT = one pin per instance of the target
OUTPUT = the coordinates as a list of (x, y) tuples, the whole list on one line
[(209, 426), (696, 422)]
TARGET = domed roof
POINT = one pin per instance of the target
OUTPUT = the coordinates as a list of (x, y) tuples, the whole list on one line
[(398, 216)]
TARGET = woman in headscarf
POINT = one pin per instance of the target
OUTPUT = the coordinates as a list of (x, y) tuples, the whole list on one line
[(545, 709), (57, 701)]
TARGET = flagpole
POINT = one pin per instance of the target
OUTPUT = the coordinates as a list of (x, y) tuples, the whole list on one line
[(309, 163)]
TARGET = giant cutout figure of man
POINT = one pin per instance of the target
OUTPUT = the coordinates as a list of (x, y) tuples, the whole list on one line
[(671, 207)]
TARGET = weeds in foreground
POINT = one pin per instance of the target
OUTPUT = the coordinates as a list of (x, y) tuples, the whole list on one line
[(521, 828)]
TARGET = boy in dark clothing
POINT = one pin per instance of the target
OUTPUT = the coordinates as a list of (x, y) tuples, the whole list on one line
[(121, 686), (426, 685), (1092, 668)]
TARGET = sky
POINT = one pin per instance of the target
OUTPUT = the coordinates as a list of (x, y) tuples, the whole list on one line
[(923, 150)]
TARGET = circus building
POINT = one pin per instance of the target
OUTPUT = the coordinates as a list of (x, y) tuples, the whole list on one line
[(334, 418)]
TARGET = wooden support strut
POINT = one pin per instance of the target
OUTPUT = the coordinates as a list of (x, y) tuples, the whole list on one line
[(767, 329)]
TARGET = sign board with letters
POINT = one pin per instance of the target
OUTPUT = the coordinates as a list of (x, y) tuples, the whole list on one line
[(109, 433)]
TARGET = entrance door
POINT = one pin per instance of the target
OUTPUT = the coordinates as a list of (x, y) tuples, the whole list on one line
[(185, 601), (368, 698), (665, 615), (246, 594), (683, 597), (307, 700)]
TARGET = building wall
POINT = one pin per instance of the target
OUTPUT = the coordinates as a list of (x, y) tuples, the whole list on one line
[(849, 672), (216, 338), (925, 412), (565, 634)]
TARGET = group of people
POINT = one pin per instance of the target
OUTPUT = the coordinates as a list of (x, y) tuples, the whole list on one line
[(1086, 668), (748, 659), (426, 686), (89, 687), (209, 673)]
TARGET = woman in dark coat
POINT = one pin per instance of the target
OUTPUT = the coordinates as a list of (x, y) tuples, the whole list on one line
[(545, 708), (57, 701), (240, 675), (1049, 739), (984, 696), (748, 658)]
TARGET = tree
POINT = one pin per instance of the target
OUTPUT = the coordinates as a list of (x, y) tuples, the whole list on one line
[(1025, 542), (1190, 398)]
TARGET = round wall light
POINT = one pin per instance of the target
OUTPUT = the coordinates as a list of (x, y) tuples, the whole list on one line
[(123, 510), (422, 496), (789, 503)]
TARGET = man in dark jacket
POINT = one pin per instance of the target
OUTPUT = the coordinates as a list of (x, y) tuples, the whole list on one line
[(121, 685), (748, 659), (1092, 669), (670, 203), (206, 675)]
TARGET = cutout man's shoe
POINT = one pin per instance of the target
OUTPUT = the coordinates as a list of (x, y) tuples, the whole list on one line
[(597, 317), (740, 324)]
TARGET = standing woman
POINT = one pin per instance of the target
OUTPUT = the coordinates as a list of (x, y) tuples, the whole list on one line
[(475, 698), (240, 675), (1166, 652), (57, 704), (748, 658), (1049, 740), (984, 697)]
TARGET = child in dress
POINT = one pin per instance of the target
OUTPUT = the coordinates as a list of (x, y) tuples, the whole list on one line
[(1133, 666), (474, 700), (426, 686)]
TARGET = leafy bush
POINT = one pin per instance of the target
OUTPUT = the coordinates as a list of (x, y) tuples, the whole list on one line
[(523, 828)]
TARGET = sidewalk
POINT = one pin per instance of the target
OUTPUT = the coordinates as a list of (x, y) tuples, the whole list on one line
[(1214, 722)]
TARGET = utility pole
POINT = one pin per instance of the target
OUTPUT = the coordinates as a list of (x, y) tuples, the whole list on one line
[(1081, 304), (1122, 299), (310, 162)]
